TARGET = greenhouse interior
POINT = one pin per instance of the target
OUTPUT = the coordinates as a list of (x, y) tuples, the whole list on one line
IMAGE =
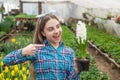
[(59, 40)]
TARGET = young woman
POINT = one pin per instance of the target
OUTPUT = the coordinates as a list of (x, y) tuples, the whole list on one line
[(52, 60)]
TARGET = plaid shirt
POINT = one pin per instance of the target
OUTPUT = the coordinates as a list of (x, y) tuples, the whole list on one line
[(49, 63)]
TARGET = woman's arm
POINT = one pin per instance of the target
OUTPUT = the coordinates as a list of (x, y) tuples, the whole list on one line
[(73, 74), (16, 57), (21, 55)]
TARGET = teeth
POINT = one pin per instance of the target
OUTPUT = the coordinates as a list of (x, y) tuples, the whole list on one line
[(56, 36)]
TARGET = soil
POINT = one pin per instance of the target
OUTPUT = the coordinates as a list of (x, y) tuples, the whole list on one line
[(104, 65)]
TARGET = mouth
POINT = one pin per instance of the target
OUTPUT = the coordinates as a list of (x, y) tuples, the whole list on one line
[(57, 37)]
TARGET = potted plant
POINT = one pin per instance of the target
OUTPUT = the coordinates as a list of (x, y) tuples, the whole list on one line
[(82, 61)]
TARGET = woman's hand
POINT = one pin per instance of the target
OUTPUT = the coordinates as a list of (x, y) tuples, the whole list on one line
[(75, 66), (31, 49)]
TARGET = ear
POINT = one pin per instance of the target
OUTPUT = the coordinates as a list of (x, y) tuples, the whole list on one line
[(43, 33)]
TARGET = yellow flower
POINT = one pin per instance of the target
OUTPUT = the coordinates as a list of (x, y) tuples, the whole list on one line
[(17, 42), (12, 73), (28, 72), (20, 72), (1, 75), (1, 63), (6, 69), (23, 69), (13, 40), (24, 77), (7, 79), (16, 68), (11, 67), (15, 78)]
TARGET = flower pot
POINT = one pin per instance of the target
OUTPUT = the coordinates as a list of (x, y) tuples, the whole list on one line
[(82, 65)]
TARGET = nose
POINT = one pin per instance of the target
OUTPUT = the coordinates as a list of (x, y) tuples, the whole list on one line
[(56, 31)]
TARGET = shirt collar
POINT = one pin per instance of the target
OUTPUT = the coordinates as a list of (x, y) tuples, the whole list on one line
[(47, 43)]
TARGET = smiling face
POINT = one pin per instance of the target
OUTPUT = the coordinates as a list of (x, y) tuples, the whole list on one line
[(53, 31)]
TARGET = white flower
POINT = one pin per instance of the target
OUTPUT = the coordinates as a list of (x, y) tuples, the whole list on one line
[(81, 31)]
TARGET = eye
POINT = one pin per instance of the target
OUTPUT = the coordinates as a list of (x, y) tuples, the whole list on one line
[(58, 26), (50, 29)]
